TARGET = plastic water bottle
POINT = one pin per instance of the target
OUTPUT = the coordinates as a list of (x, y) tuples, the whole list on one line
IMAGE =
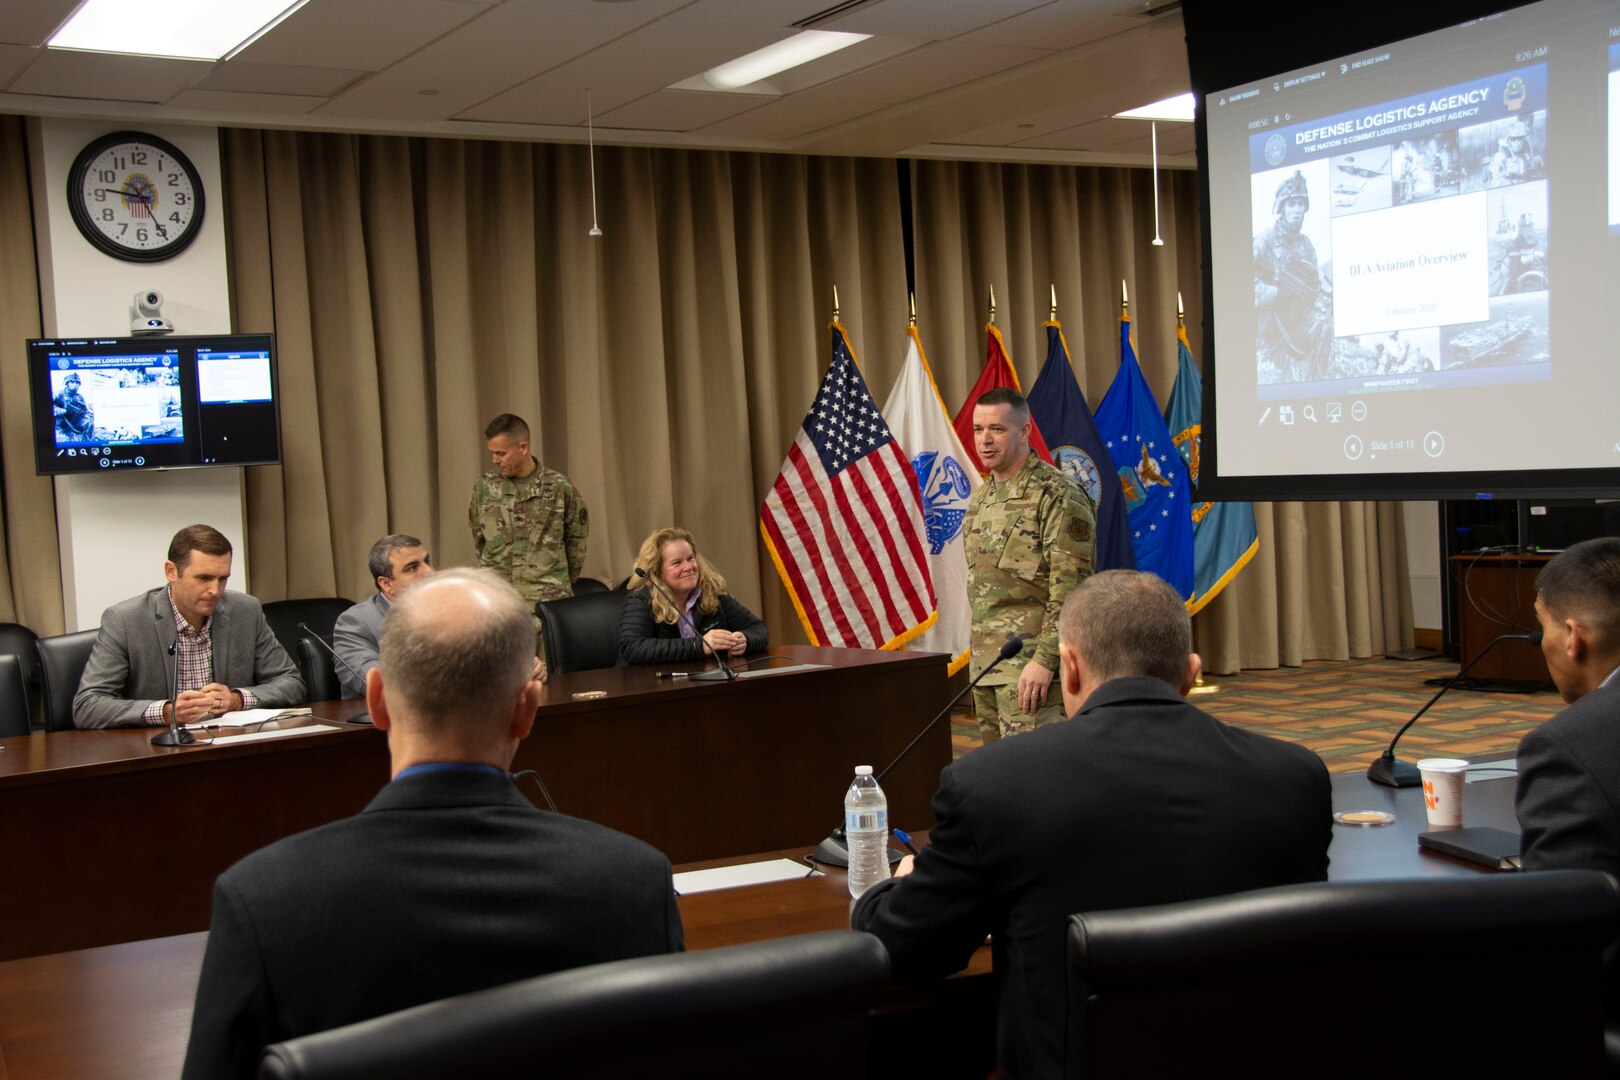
[(866, 831)]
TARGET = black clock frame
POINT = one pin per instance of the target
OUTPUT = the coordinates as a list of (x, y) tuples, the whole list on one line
[(98, 239)]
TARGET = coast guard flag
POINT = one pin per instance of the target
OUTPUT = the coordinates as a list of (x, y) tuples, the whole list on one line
[(1224, 536), (946, 478), (998, 371), (1150, 471), (1059, 406), (843, 522)]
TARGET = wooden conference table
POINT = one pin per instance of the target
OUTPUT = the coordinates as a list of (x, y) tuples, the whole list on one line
[(110, 839), (125, 1010)]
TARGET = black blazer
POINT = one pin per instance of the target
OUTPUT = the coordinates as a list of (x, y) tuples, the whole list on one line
[(1568, 798), (645, 641), (1140, 798), (448, 882)]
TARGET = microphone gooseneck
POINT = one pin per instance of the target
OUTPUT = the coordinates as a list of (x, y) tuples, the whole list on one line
[(357, 718), (175, 735), (1390, 772)]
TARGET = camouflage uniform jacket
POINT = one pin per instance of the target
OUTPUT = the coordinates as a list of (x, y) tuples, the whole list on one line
[(1029, 541), (531, 531)]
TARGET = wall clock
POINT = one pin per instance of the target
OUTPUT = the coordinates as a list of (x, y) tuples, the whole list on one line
[(135, 197)]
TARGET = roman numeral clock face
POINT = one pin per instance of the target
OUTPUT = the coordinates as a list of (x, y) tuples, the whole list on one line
[(135, 197)]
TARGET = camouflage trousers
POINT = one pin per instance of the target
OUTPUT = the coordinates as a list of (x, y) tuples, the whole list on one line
[(999, 714)]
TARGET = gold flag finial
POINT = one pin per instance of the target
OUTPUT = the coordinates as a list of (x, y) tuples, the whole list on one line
[(912, 320), (1181, 311), (1124, 299), (835, 303), (992, 305), (1054, 303)]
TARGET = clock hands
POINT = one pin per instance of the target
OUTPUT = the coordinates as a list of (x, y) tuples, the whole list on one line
[(147, 199)]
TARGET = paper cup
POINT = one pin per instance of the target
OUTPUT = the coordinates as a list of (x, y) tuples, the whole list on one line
[(1443, 790)]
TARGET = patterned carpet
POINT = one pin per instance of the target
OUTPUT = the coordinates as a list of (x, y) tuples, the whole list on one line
[(1347, 712)]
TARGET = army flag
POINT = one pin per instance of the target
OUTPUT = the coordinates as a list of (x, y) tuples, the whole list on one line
[(1059, 408), (843, 522), (998, 371), (946, 478), (1224, 536), (1151, 473)]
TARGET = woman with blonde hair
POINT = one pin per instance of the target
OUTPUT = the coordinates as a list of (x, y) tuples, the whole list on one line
[(703, 620)]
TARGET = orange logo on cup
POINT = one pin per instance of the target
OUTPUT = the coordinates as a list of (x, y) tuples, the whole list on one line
[(1429, 799)]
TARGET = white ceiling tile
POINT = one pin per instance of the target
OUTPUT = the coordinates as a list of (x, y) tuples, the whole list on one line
[(676, 110), (1060, 25), (934, 20), (786, 119), (242, 76), (13, 59), (364, 34), (30, 22), (227, 101), (108, 77), (928, 70)]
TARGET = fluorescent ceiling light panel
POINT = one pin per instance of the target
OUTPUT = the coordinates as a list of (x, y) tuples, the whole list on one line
[(1175, 108), (188, 29), (801, 48)]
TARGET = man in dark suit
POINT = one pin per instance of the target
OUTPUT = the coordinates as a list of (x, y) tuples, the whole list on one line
[(395, 562), (450, 881), (1138, 798), (1568, 799), (214, 643)]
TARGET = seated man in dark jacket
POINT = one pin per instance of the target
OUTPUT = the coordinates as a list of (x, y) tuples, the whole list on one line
[(1138, 798), (678, 609), (450, 881)]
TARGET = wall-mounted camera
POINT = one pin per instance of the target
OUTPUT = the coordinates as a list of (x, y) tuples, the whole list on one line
[(146, 315)]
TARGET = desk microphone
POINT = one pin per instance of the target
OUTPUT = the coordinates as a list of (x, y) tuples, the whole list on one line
[(724, 672), (176, 735), (1398, 774), (357, 718), (833, 851)]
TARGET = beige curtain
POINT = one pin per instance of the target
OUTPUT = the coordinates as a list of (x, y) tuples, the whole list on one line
[(418, 287), (30, 567), (1330, 580)]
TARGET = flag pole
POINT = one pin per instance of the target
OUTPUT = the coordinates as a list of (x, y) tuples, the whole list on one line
[(992, 305), (1181, 312), (835, 303), (1124, 300), (911, 320), (1054, 303)]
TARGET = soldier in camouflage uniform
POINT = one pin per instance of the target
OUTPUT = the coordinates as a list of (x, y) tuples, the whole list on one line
[(528, 523), (1030, 540)]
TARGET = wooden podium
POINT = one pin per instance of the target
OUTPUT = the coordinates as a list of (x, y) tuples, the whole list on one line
[(1496, 595)]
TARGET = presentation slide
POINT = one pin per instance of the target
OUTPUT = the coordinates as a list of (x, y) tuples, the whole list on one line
[(99, 402), (1415, 250)]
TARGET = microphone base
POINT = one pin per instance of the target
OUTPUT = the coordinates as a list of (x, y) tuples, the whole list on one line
[(834, 852), (177, 736), (1392, 773), (717, 675), (362, 718)]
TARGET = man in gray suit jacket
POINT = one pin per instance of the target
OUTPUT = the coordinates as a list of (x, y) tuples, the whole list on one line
[(214, 644), (395, 562), (1568, 798)]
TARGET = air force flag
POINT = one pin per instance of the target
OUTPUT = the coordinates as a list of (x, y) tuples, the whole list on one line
[(946, 477), (1151, 473)]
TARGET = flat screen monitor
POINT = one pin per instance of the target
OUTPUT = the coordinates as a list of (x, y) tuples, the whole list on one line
[(1412, 249), (118, 404)]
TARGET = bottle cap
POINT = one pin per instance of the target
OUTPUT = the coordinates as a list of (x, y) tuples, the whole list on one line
[(863, 770)]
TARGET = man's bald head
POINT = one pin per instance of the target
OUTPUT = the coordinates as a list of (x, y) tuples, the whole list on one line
[(457, 647)]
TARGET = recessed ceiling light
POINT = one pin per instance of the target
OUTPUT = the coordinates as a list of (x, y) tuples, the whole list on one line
[(1178, 108), (187, 29), (801, 48)]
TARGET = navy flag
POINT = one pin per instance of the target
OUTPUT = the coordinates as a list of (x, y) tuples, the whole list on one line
[(1151, 472), (1224, 536), (1059, 407)]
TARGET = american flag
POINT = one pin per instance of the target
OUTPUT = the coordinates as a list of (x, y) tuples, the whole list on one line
[(844, 523)]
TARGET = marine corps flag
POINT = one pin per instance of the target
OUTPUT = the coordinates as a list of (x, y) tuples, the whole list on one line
[(1224, 536), (998, 371), (843, 522), (945, 480), (1059, 406), (1151, 473)]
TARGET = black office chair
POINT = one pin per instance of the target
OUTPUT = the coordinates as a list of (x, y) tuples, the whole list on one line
[(319, 613), (588, 585), (318, 669), (771, 1008), (19, 641), (15, 719), (1488, 976), (61, 665), (581, 633)]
